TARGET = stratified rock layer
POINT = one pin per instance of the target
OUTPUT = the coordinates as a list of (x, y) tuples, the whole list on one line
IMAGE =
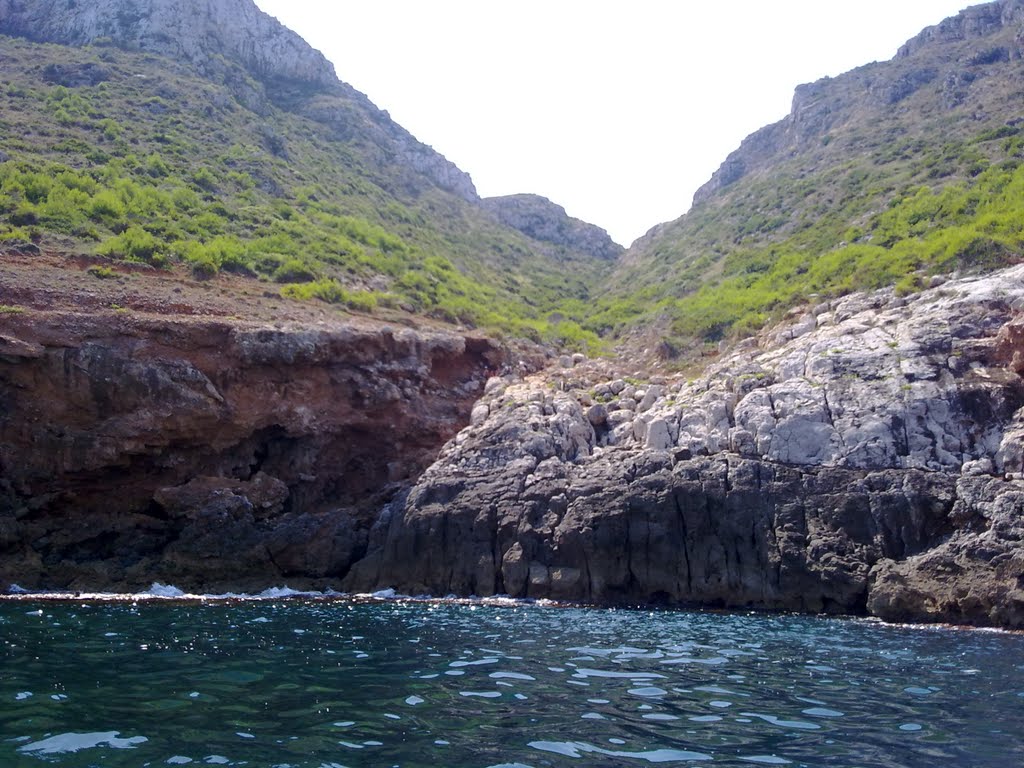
[(209, 453), (867, 458)]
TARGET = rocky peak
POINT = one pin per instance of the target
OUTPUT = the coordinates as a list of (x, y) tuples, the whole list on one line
[(211, 33), (543, 220), (195, 30), (945, 62), (978, 21)]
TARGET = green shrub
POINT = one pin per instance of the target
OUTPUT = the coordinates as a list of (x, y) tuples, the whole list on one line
[(24, 215), (156, 166), (107, 207), (110, 129), (64, 209), (135, 244), (203, 265), (332, 292), (294, 271), (908, 284), (205, 180), (101, 273)]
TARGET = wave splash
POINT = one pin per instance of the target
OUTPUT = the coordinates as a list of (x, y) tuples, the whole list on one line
[(168, 592)]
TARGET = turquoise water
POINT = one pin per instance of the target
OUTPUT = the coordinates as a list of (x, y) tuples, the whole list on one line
[(336, 683)]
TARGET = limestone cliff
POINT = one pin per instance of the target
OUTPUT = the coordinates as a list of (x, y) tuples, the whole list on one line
[(218, 35), (956, 61), (212, 452), (866, 458), (196, 30), (539, 218)]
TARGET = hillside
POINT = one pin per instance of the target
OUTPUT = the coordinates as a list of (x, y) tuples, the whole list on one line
[(206, 137), (885, 175)]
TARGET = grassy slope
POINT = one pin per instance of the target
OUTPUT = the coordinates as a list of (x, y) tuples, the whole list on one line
[(879, 177), (152, 163), (865, 185)]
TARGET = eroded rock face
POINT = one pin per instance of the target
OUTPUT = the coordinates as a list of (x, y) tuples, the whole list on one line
[(212, 453), (950, 62), (867, 457), (543, 220), (233, 42), (195, 30)]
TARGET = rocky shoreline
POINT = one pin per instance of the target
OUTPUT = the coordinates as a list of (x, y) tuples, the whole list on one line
[(865, 457)]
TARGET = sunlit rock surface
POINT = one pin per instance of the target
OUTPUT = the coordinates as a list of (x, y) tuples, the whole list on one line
[(867, 456)]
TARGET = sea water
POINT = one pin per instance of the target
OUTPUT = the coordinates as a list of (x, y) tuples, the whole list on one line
[(334, 682)]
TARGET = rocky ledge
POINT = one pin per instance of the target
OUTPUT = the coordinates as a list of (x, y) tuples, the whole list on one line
[(213, 453), (865, 457)]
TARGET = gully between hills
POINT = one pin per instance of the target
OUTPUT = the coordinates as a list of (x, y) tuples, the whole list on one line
[(866, 457)]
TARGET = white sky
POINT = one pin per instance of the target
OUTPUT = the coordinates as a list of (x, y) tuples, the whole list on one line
[(616, 109)]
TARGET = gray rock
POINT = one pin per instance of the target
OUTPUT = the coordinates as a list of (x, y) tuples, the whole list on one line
[(650, 397), (619, 417), (539, 218), (597, 415), (177, 28), (846, 469), (658, 437), (479, 414)]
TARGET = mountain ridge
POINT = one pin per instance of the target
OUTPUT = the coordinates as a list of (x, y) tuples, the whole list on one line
[(254, 166), (894, 172), (197, 30), (205, 33), (814, 108)]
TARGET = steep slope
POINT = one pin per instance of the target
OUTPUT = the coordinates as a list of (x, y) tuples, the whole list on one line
[(886, 173), (204, 135), (198, 31), (547, 222)]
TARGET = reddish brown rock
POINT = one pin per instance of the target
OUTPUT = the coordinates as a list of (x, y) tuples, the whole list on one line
[(211, 452)]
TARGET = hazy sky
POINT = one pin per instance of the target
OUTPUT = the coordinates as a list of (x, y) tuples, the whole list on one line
[(616, 109)]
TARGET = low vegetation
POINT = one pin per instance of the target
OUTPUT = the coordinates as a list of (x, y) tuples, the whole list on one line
[(893, 217), (152, 165), (156, 166)]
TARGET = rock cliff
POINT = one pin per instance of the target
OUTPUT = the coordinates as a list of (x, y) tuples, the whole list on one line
[(212, 452), (277, 65), (867, 457), (956, 62), (195, 30), (547, 222)]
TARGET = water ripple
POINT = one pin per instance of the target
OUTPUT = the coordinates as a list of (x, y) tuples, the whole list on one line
[(321, 683)]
